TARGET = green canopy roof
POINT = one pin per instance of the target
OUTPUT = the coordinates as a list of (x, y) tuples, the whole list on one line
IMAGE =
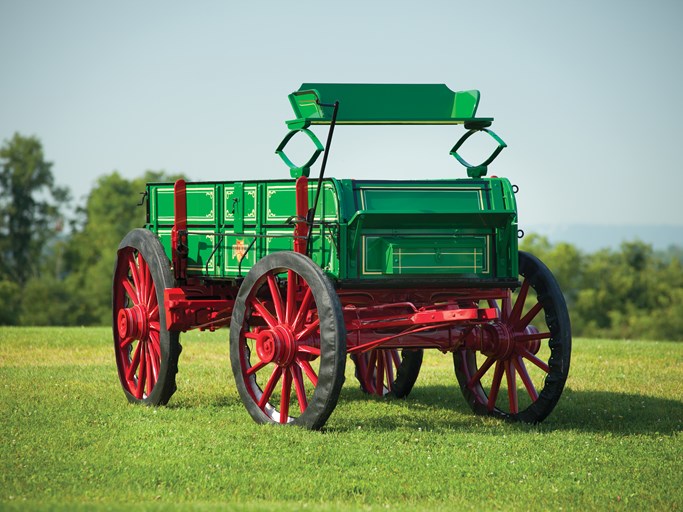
[(385, 104)]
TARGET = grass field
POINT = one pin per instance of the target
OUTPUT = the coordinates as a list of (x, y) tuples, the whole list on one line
[(71, 441)]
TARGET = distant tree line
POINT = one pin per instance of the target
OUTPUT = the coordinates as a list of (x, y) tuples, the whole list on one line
[(632, 293), (56, 260)]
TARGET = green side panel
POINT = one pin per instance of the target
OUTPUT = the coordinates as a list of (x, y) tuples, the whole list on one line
[(201, 245), (385, 104), (427, 254), (239, 204), (280, 201), (233, 222), (201, 204)]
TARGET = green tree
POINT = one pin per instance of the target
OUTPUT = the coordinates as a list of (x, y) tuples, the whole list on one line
[(10, 302), (31, 208), (564, 260), (632, 293), (112, 209)]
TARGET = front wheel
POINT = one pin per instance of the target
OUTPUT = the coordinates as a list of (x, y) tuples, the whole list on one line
[(532, 364), (288, 342)]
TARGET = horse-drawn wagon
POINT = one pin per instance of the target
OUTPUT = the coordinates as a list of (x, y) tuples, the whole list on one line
[(307, 271)]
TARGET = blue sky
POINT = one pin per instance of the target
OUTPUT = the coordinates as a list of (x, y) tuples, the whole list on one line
[(588, 95)]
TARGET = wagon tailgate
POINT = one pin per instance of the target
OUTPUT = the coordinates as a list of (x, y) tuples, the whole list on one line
[(447, 228)]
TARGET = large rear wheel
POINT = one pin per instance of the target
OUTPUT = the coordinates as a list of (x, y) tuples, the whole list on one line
[(146, 352), (523, 372)]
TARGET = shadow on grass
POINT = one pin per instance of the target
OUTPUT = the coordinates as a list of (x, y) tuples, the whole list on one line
[(199, 402), (585, 411), (443, 408)]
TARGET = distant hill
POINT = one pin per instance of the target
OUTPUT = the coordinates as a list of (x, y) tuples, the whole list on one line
[(590, 238)]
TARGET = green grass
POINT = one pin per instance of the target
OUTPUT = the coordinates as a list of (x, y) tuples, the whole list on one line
[(70, 439)]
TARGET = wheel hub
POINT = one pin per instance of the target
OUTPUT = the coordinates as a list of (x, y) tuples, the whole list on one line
[(132, 322), (276, 345), (499, 342)]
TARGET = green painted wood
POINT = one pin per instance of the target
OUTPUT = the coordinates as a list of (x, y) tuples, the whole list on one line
[(384, 104), (372, 229)]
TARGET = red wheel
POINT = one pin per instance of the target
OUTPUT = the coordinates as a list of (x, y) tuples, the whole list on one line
[(522, 371), (288, 342), (384, 371), (146, 352)]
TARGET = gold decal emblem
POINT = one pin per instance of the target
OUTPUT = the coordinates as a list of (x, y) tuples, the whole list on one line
[(239, 249)]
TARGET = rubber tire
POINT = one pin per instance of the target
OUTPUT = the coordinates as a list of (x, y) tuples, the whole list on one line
[(147, 243), (332, 336), (406, 373), (550, 296)]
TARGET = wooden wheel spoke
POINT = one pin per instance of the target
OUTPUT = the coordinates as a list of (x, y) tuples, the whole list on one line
[(139, 392), (131, 291), (291, 297), (150, 289), (134, 363), (148, 370), (396, 358), (476, 378), (309, 371), (512, 387), (379, 374), (154, 344), (155, 359), (154, 313), (522, 338), (277, 298), (145, 280), (307, 349), (506, 308), (125, 342), (526, 319), (303, 310), (253, 369), (388, 364), (299, 387), (308, 331), (135, 275), (270, 385), (265, 314), (535, 360), (371, 369), (526, 379), (519, 303), (361, 362), (495, 385), (286, 394)]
